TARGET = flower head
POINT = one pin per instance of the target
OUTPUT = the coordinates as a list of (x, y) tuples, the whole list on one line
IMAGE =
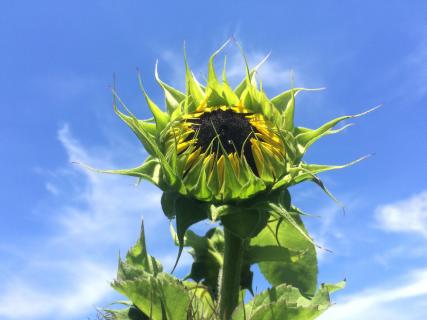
[(215, 143)]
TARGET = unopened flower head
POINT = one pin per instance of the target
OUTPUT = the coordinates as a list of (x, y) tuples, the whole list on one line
[(215, 143)]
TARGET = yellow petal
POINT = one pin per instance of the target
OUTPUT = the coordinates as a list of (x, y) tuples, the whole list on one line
[(192, 158)]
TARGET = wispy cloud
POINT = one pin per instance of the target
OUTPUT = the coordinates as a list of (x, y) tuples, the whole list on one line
[(408, 215), (66, 272), (22, 299), (274, 74), (406, 251), (326, 232), (106, 202), (405, 300), (403, 296), (327, 223)]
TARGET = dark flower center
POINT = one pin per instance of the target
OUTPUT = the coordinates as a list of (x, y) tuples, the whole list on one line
[(232, 129)]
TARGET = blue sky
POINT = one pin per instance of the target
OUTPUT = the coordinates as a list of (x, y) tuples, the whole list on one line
[(62, 227)]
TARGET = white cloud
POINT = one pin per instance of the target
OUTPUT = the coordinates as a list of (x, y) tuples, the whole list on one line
[(406, 300), (388, 258), (109, 202), (51, 188), (273, 74), (327, 226), (409, 215), (66, 272), (22, 300), (325, 233)]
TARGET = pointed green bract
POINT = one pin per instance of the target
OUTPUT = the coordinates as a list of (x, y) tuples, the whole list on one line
[(173, 97), (161, 117)]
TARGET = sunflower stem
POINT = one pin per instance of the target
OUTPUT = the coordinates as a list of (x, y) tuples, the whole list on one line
[(230, 279)]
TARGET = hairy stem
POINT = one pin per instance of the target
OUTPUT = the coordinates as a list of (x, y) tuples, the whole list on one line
[(230, 279)]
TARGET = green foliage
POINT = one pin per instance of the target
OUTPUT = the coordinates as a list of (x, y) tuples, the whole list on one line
[(207, 252), (285, 257), (129, 313), (288, 257), (186, 211), (253, 206), (284, 302), (156, 294)]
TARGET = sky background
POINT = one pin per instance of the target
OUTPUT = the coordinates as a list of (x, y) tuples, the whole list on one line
[(62, 228)]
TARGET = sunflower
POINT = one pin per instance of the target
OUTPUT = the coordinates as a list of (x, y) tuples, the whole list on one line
[(219, 144), (215, 135)]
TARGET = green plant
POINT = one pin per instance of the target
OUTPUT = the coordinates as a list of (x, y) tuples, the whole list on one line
[(227, 155)]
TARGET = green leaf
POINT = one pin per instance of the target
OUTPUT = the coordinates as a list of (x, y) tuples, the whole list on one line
[(257, 254), (216, 211), (138, 255), (156, 294), (245, 222), (285, 215), (158, 297), (175, 297), (333, 287), (138, 262), (202, 303), (207, 253), (285, 302), (187, 212), (129, 313), (247, 218), (297, 265)]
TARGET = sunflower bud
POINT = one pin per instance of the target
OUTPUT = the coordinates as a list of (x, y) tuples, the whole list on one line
[(222, 145)]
